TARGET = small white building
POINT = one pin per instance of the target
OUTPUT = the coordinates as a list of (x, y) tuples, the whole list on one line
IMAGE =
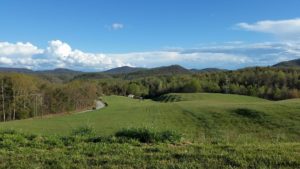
[(131, 96)]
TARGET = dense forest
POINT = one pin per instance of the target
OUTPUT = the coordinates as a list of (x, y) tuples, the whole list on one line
[(29, 95), (24, 96)]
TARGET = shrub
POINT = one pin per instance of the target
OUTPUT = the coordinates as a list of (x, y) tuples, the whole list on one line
[(83, 131), (8, 131), (53, 141), (146, 135)]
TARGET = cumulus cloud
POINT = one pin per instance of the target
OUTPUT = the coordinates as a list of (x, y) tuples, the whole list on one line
[(5, 60), (227, 55), (65, 56), (282, 28), (18, 54), (57, 54), (59, 49), (18, 49)]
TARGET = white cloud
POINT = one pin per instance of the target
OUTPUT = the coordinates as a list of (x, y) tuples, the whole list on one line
[(117, 26), (196, 59), (59, 49), (18, 49), (65, 56), (282, 28), (255, 54), (5, 60), (227, 55)]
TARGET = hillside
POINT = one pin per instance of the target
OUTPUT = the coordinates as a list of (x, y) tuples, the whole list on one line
[(291, 63), (208, 70), (134, 73), (59, 75), (220, 115), (15, 70), (124, 70), (217, 131), (159, 71), (58, 71), (169, 70), (86, 76)]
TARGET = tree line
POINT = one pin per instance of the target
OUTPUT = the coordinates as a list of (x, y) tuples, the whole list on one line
[(24, 96), (265, 82)]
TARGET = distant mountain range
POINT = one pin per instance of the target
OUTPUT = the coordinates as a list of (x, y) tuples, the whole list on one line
[(124, 70), (56, 75), (24, 70), (291, 63), (63, 75), (208, 70), (132, 73), (17, 70), (59, 71), (164, 70), (173, 69)]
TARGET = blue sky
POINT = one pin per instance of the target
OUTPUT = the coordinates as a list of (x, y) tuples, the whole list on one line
[(100, 34)]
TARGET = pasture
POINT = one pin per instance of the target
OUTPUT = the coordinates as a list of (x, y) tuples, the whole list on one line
[(216, 131)]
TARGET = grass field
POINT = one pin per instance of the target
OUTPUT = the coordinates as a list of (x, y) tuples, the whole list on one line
[(199, 117), (218, 130)]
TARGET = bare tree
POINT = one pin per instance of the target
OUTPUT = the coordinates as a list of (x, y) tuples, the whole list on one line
[(3, 101), (14, 104)]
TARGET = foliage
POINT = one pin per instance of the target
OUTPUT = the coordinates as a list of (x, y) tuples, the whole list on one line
[(83, 131), (19, 150), (146, 135), (27, 96), (30, 96)]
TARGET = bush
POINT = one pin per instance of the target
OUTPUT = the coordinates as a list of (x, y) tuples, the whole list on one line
[(8, 131), (83, 131), (146, 135)]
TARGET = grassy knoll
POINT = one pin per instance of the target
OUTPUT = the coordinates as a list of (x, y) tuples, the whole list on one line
[(217, 131), (199, 117)]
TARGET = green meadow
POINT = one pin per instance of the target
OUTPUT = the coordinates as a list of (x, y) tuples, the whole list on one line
[(216, 130), (199, 117)]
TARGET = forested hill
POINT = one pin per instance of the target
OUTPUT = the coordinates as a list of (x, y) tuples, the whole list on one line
[(16, 70), (208, 70), (58, 75), (291, 63), (134, 73), (165, 70), (61, 75), (25, 70), (124, 70)]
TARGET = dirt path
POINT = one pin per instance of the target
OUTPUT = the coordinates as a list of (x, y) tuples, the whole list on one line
[(98, 105)]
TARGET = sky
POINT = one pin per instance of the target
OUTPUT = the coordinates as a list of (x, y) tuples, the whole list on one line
[(95, 35)]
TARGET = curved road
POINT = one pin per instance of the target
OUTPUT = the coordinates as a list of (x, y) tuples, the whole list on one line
[(98, 105)]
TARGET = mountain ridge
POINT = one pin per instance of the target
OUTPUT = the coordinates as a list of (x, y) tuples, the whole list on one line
[(290, 63)]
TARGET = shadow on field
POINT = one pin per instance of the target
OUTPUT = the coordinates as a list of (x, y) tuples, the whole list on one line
[(250, 113)]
